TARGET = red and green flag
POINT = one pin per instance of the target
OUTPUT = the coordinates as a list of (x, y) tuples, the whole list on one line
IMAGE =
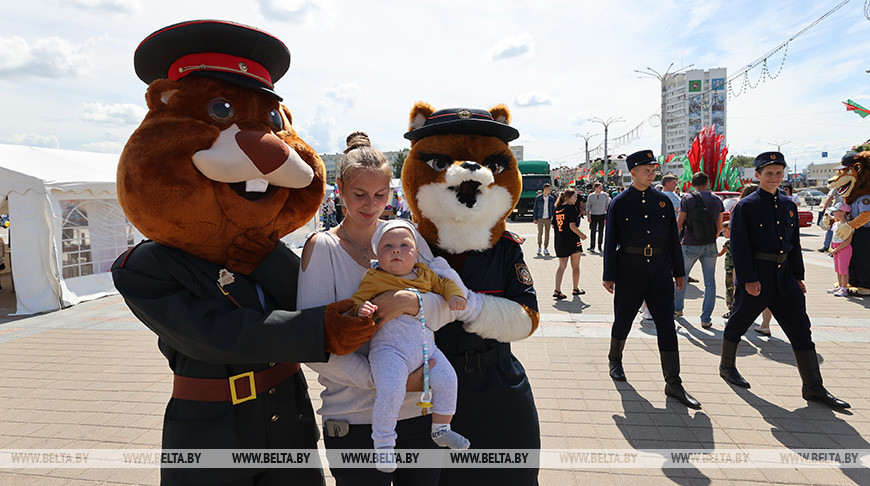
[(858, 109)]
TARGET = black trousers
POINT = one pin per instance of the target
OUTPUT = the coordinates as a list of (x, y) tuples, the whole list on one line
[(630, 291), (789, 310), (597, 225), (414, 433)]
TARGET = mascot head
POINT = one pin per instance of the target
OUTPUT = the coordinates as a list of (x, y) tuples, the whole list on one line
[(853, 179), (460, 178), (216, 156)]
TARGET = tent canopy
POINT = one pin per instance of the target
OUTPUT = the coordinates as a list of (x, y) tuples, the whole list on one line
[(65, 224)]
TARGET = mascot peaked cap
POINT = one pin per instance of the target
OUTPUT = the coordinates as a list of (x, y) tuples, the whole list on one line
[(464, 121), (235, 53)]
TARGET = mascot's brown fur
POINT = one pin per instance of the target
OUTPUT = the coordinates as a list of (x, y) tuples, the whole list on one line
[(462, 181), (215, 175), (852, 182), (170, 201)]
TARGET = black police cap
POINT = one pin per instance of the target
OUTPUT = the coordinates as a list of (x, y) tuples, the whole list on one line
[(767, 158), (235, 53), (643, 157), (848, 158), (464, 121)]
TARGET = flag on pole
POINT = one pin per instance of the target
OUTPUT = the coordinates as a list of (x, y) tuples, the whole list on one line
[(858, 109)]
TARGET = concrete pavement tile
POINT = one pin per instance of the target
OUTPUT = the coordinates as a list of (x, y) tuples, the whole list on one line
[(674, 434), (785, 475), (555, 476), (136, 476), (828, 476), (735, 475)]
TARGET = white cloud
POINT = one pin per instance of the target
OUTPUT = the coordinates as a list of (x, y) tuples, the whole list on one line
[(50, 57), (32, 139), (320, 130), (510, 47), (106, 6), (115, 114), (108, 147), (532, 98), (296, 11)]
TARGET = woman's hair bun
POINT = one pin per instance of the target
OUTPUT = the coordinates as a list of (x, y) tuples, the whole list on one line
[(357, 139)]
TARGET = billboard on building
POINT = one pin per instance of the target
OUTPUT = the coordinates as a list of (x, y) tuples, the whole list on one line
[(717, 112), (718, 84), (695, 107), (695, 85)]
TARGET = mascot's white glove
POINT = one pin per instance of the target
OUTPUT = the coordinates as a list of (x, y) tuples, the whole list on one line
[(503, 320), (436, 311), (844, 231)]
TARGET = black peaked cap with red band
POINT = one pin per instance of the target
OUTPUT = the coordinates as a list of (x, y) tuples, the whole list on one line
[(464, 121), (235, 53)]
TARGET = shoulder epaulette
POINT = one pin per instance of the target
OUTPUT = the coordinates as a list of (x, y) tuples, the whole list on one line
[(513, 237)]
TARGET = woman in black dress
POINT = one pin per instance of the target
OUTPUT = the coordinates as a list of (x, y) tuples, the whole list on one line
[(567, 239)]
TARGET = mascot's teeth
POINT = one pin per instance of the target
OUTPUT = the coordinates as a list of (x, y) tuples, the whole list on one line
[(256, 185)]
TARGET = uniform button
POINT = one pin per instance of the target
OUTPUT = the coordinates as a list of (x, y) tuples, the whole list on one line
[(647, 260), (275, 418), (643, 200), (647, 231), (780, 250), (779, 265), (272, 391), (271, 365), (780, 239), (646, 216)]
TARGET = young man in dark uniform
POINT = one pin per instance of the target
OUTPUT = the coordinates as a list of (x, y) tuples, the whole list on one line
[(769, 273), (643, 260)]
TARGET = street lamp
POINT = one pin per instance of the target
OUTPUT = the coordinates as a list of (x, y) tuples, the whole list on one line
[(606, 124), (586, 138), (664, 79)]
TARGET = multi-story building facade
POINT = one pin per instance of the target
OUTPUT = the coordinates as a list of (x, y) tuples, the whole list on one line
[(818, 174), (692, 100)]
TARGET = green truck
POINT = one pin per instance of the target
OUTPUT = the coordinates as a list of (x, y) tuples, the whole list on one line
[(535, 174)]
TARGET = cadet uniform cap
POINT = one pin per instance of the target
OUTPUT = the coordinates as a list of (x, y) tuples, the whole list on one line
[(767, 158), (643, 157), (235, 53)]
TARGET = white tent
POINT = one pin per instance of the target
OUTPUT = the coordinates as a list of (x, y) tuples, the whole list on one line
[(66, 227)]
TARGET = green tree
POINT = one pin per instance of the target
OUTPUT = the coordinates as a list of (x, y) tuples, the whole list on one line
[(742, 161), (399, 163)]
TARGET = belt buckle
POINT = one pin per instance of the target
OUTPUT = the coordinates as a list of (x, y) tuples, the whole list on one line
[(647, 252), (235, 398)]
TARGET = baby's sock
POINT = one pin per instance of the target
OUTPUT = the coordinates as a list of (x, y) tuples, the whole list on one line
[(444, 437), (385, 460)]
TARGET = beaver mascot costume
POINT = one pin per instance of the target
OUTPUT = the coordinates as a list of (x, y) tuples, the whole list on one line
[(214, 175), (852, 182), (462, 181)]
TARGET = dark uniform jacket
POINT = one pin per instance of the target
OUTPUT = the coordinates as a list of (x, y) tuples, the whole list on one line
[(637, 219), (495, 408), (764, 222), (203, 334)]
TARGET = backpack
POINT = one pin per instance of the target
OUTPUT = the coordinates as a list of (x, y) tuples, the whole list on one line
[(701, 222)]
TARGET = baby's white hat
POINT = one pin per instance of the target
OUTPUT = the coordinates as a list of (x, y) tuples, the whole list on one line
[(423, 251)]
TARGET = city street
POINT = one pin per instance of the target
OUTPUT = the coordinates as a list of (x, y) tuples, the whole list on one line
[(91, 377)]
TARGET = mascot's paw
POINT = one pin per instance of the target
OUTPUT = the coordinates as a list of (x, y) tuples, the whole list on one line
[(343, 334), (503, 320), (844, 231), (249, 250)]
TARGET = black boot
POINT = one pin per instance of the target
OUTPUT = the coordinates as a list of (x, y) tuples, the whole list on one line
[(673, 383), (615, 359), (727, 368), (808, 367)]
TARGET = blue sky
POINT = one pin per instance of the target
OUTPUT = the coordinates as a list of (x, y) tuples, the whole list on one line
[(67, 80)]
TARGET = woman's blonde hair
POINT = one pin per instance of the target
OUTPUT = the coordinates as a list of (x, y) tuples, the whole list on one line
[(360, 154), (563, 198)]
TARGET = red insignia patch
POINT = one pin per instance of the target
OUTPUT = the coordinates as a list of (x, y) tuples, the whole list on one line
[(791, 214), (662, 204), (513, 237), (523, 274)]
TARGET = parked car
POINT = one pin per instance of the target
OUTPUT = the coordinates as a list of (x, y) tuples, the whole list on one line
[(812, 197), (729, 199)]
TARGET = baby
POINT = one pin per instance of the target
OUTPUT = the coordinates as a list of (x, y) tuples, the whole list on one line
[(397, 348)]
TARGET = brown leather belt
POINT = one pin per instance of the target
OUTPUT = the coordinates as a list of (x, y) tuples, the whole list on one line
[(771, 257), (645, 251), (237, 389)]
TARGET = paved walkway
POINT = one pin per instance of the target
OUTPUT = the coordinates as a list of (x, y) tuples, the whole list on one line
[(91, 377)]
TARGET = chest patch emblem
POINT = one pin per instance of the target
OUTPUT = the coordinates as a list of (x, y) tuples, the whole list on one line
[(662, 203), (791, 214), (866, 201), (523, 274)]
